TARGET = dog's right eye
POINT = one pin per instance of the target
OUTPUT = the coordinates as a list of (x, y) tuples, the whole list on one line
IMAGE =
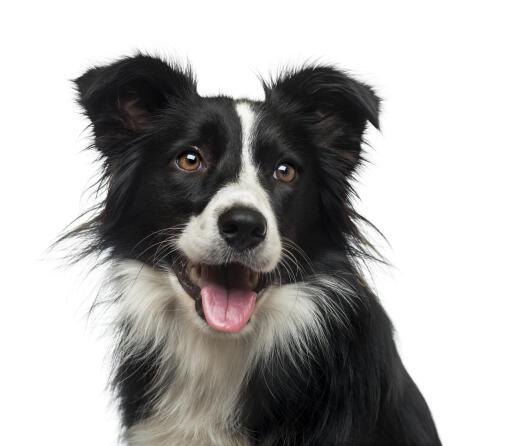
[(189, 161)]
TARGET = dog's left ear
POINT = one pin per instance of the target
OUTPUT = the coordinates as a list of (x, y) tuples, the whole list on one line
[(331, 104)]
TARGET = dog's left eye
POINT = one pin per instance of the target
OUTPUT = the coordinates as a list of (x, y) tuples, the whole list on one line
[(189, 161), (284, 172)]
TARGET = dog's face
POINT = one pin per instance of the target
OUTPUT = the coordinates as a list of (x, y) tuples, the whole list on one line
[(231, 196)]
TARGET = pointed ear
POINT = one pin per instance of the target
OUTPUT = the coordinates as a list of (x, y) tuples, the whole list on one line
[(332, 106), (124, 98)]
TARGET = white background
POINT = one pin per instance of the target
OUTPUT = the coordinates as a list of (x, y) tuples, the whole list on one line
[(438, 187)]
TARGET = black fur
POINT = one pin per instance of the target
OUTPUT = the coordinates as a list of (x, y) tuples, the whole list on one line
[(144, 112)]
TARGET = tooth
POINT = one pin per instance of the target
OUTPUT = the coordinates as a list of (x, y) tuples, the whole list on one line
[(253, 279), (194, 273)]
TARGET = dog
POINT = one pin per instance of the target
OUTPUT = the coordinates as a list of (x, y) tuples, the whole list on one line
[(242, 315)]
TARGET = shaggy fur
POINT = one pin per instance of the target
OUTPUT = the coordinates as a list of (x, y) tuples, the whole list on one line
[(316, 364)]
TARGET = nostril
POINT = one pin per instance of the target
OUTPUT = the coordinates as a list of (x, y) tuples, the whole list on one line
[(259, 231), (229, 228)]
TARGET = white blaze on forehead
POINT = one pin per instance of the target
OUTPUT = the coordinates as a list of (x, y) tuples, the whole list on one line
[(247, 116), (201, 241)]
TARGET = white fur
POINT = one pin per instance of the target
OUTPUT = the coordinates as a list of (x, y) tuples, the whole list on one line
[(198, 406), (201, 241)]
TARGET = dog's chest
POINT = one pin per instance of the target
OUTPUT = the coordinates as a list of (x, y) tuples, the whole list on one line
[(199, 403)]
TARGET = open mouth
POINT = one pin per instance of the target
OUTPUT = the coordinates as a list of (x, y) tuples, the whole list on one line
[(224, 295)]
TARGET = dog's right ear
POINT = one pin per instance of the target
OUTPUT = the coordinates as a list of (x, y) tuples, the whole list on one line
[(123, 100)]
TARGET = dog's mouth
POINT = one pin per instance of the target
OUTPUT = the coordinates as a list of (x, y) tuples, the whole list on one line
[(225, 295)]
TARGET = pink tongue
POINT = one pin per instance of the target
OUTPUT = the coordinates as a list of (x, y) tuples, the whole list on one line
[(227, 299)]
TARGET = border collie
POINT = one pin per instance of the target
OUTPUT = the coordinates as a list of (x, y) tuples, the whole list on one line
[(242, 315)]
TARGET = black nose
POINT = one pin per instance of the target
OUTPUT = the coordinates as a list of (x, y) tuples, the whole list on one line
[(242, 228)]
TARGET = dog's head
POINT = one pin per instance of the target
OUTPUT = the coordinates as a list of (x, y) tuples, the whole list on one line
[(232, 196)]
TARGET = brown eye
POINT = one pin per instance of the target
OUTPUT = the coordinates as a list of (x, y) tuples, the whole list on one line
[(189, 161), (285, 173)]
